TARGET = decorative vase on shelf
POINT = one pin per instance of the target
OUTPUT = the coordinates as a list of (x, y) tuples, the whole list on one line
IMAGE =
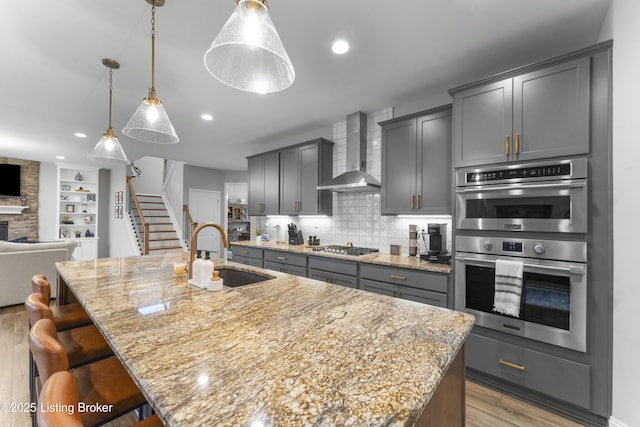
[(78, 177)]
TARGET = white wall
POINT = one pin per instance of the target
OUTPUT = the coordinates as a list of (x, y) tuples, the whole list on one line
[(174, 194), (626, 205), (48, 202), (151, 178), (119, 238)]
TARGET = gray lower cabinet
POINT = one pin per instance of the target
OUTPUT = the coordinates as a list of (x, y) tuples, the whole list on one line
[(247, 255), (286, 262), (414, 285), (538, 114), (264, 184), (416, 163), (545, 373), (339, 272), (302, 168)]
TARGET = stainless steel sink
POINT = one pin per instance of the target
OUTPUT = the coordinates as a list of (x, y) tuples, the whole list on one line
[(235, 278)]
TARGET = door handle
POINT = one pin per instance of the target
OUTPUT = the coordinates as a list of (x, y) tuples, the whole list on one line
[(517, 143), (506, 145), (417, 201), (393, 276), (511, 365)]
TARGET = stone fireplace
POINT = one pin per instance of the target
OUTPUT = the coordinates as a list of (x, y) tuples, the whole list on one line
[(24, 224)]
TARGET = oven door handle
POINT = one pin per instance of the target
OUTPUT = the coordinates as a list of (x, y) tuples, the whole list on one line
[(573, 270), (571, 184)]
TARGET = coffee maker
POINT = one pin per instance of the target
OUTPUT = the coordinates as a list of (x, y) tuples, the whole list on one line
[(437, 250)]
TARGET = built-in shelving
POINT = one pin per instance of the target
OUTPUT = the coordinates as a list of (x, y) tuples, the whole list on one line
[(78, 209)]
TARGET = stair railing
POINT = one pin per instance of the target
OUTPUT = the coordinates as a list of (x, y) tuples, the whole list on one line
[(188, 225), (140, 225)]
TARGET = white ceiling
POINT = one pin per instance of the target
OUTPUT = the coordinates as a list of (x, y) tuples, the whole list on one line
[(52, 81)]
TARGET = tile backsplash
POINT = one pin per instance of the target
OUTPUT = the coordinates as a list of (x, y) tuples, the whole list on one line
[(356, 216)]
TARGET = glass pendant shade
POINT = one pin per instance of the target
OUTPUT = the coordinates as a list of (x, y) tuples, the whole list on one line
[(247, 54), (109, 150), (150, 123)]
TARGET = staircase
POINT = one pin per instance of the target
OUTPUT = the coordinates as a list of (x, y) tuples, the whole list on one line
[(163, 237)]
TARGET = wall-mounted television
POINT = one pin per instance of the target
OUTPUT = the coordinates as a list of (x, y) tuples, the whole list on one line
[(9, 180)]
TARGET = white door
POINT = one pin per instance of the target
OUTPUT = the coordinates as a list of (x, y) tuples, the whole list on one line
[(204, 206)]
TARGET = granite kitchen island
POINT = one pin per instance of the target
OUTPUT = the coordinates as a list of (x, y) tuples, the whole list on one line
[(286, 351)]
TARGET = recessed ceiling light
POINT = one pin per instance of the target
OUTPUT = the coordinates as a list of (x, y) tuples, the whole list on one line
[(340, 47), (61, 157), (207, 117), (80, 135)]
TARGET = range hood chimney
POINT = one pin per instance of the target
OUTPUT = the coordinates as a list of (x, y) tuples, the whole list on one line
[(356, 178)]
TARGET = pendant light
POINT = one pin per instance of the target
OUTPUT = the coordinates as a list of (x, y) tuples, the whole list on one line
[(108, 149), (150, 122), (247, 53)]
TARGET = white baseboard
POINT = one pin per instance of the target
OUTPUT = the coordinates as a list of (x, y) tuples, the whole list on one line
[(615, 423)]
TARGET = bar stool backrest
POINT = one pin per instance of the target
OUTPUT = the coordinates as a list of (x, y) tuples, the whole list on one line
[(59, 392), (47, 352), (37, 309), (39, 283)]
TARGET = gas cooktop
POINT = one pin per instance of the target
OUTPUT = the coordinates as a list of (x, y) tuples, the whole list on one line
[(345, 250)]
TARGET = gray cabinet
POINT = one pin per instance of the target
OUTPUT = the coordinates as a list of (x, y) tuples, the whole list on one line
[(286, 262), (414, 285), (247, 255), (540, 114), (416, 163), (545, 373), (339, 272), (264, 180), (302, 168)]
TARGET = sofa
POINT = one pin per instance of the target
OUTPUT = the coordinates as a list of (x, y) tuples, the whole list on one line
[(20, 261)]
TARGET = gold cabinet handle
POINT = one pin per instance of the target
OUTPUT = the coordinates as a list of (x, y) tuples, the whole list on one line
[(517, 144), (417, 201), (393, 276), (282, 258), (411, 201), (506, 145), (395, 294), (511, 365)]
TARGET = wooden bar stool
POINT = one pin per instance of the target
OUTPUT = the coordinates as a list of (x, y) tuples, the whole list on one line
[(83, 344), (104, 382), (65, 316)]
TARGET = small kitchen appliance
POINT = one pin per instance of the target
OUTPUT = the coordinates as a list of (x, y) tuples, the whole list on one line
[(295, 236), (437, 250)]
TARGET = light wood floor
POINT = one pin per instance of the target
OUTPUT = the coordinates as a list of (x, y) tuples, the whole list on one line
[(485, 407)]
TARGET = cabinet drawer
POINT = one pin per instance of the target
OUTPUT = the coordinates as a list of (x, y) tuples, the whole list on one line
[(424, 297), (333, 265), (286, 258), (285, 268), (379, 287), (247, 252), (335, 278), (405, 277), (551, 375), (247, 261)]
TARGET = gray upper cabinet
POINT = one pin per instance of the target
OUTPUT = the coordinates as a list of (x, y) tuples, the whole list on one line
[(264, 179), (539, 114), (302, 168), (416, 163)]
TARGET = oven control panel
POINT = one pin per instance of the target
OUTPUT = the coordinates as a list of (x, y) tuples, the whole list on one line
[(524, 248)]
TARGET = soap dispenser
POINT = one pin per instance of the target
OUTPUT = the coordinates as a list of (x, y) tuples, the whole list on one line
[(196, 277), (206, 270)]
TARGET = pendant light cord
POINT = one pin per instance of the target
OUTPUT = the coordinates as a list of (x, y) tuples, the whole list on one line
[(110, 94), (153, 46)]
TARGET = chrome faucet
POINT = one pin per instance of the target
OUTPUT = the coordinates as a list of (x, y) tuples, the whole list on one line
[(194, 242)]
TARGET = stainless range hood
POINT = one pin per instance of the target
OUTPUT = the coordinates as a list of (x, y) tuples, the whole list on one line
[(356, 178)]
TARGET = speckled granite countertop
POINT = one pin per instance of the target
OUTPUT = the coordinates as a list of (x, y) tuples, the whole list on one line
[(289, 351), (376, 258)]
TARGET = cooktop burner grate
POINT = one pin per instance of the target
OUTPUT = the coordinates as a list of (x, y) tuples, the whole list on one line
[(345, 250)]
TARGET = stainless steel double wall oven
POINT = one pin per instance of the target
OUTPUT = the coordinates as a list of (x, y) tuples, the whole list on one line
[(535, 213)]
